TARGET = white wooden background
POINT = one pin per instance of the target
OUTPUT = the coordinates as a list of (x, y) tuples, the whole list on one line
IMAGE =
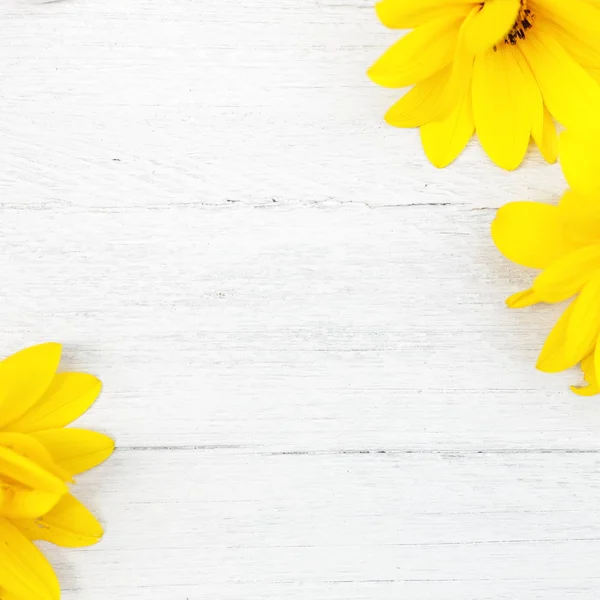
[(316, 390)]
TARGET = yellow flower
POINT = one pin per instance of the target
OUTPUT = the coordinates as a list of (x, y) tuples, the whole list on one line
[(38, 458), (564, 241), (502, 68)]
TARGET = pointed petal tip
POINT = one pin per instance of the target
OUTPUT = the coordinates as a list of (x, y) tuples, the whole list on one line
[(77, 450), (522, 299), (440, 164), (381, 14), (97, 383), (585, 391), (54, 348), (507, 162), (69, 525), (545, 365), (514, 301), (391, 120), (509, 166), (387, 119), (547, 362), (375, 77), (111, 444), (49, 344)]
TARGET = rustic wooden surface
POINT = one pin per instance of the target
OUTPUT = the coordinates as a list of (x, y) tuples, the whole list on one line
[(316, 390)]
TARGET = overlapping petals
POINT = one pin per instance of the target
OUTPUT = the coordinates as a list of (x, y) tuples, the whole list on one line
[(504, 69), (38, 459), (563, 241)]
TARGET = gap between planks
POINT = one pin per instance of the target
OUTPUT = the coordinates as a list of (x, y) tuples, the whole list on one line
[(343, 451)]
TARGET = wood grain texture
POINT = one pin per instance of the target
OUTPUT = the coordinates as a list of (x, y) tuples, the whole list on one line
[(233, 525), (315, 387), (292, 328), (148, 102)]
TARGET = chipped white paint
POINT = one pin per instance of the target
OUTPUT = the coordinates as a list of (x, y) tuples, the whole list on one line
[(316, 389)]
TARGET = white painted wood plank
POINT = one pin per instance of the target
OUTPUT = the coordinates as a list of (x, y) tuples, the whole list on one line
[(306, 328), (148, 102), (233, 525), (388, 437)]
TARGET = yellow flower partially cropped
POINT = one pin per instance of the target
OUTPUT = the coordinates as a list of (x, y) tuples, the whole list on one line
[(38, 459), (563, 241), (502, 68)]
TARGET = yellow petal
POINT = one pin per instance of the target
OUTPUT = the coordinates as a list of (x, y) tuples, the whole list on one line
[(32, 449), (421, 104), (29, 490), (589, 374), (9, 596), (553, 356), (24, 377), (569, 91), (597, 359), (24, 503), (444, 140), (585, 51), (407, 14), (504, 93), (418, 55), (69, 524), (76, 450), (522, 299), (530, 234), (580, 160), (67, 398), (567, 276), (580, 21), (544, 134), (543, 129), (24, 572), (27, 473), (580, 215), (584, 326), (493, 22), (461, 72)]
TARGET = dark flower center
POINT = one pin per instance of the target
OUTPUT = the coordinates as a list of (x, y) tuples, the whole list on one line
[(523, 23), (521, 26)]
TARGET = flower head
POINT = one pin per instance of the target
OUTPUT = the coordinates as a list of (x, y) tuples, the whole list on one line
[(38, 459), (563, 241), (502, 68)]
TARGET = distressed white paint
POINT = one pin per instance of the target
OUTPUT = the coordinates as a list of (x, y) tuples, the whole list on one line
[(315, 387), (232, 525)]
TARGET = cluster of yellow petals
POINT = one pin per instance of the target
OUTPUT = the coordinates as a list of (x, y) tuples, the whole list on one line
[(504, 69), (563, 241), (38, 458)]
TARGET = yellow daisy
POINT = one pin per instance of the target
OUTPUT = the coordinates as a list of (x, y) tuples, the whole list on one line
[(502, 68), (38, 458), (564, 241)]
